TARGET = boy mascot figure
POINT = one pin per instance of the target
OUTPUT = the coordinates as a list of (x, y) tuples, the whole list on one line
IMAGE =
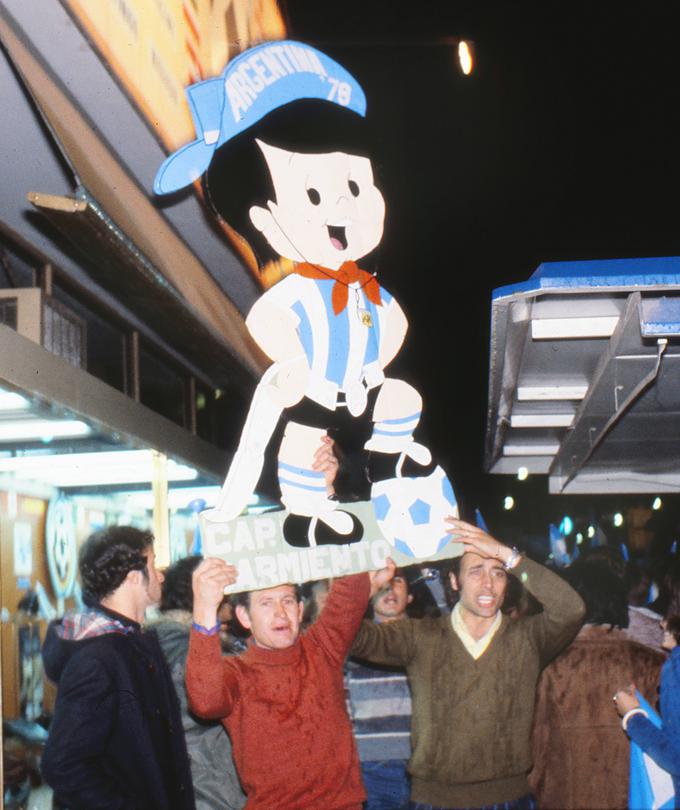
[(283, 157)]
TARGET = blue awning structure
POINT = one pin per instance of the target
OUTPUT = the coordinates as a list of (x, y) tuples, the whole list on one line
[(584, 376)]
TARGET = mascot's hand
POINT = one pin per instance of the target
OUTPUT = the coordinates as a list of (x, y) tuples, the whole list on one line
[(290, 383)]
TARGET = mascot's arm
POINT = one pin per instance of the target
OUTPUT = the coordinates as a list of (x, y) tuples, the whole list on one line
[(394, 332), (274, 330)]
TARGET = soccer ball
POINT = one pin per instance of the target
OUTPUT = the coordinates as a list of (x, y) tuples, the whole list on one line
[(411, 512)]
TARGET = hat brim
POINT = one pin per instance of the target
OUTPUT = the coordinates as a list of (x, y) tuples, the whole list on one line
[(183, 167)]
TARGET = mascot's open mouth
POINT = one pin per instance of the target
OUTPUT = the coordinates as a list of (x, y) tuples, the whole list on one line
[(336, 233)]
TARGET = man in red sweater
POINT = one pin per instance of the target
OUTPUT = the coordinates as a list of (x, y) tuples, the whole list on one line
[(283, 700)]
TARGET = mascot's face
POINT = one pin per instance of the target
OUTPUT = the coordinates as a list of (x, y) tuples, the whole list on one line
[(328, 209)]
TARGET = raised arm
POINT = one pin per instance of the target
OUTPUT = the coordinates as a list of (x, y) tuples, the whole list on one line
[(662, 744), (341, 617), (563, 608), (392, 643), (211, 680)]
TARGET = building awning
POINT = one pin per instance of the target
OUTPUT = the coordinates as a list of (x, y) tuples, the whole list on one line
[(584, 377)]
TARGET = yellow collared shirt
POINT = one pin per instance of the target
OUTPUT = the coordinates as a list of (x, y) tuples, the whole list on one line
[(474, 647)]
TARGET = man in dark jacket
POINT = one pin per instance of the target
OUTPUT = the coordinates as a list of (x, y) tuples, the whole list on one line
[(115, 741)]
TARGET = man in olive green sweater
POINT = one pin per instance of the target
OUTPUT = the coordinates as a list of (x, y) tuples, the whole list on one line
[(473, 676)]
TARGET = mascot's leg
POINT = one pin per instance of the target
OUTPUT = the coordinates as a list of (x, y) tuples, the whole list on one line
[(314, 518), (246, 465), (396, 415), (411, 496)]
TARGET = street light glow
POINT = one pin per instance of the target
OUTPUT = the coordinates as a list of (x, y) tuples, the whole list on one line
[(465, 57)]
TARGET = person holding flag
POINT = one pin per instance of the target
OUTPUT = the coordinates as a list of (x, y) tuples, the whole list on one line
[(661, 742)]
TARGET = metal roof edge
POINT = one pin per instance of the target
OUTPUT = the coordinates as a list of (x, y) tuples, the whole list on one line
[(656, 272)]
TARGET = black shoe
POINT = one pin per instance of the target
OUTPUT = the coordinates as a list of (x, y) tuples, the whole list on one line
[(296, 532), (325, 536), (382, 466)]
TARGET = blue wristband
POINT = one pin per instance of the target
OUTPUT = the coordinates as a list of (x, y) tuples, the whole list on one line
[(205, 631)]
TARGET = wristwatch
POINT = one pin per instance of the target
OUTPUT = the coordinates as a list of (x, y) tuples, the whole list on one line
[(513, 559)]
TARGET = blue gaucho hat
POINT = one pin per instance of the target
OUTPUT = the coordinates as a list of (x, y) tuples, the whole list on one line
[(258, 81)]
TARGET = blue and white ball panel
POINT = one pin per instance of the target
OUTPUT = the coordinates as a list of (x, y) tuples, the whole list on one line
[(411, 512)]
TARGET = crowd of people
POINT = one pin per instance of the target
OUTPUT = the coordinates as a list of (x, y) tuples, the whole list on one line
[(363, 692)]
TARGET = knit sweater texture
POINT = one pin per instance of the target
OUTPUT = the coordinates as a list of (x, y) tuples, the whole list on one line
[(285, 709), (472, 718), (577, 731)]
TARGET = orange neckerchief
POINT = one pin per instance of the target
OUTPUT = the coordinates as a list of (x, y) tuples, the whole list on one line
[(346, 274)]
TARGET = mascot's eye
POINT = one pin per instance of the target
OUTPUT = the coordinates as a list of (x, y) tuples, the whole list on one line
[(314, 196), (353, 187)]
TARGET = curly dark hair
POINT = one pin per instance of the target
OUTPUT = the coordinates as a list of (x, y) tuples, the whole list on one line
[(177, 591), (108, 556)]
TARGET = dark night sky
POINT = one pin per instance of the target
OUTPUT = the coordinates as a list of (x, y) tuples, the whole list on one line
[(562, 144)]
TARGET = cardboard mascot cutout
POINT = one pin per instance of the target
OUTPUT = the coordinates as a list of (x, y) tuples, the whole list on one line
[(283, 156)]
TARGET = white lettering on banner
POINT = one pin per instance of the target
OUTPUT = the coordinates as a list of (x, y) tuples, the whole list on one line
[(243, 539), (254, 79), (305, 568), (317, 67), (260, 70), (379, 550), (289, 567), (255, 544), (360, 549), (340, 91), (278, 50), (216, 541), (247, 88), (265, 568), (246, 578), (275, 67), (341, 559), (236, 101), (292, 55), (318, 563), (265, 530)]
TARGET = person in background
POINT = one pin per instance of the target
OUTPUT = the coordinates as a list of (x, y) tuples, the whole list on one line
[(315, 595), (580, 756), (380, 709), (662, 745), (116, 738), (216, 784), (644, 624)]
